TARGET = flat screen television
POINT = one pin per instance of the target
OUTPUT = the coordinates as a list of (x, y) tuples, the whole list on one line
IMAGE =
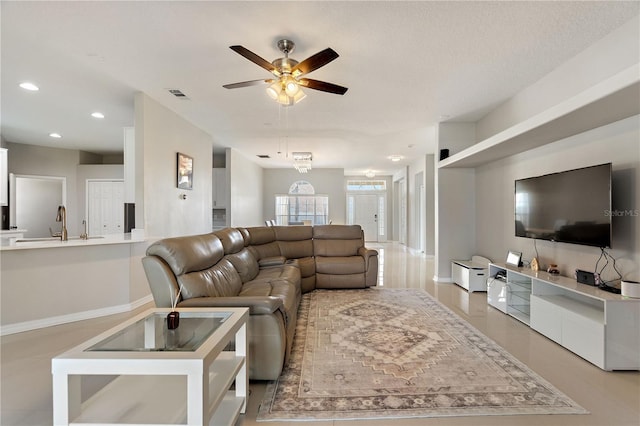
[(573, 206)]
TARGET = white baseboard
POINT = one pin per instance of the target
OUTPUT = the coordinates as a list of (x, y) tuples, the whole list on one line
[(442, 279), (77, 316)]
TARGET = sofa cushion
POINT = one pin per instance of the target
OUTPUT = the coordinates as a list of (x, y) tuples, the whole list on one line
[(261, 235), (245, 264), (294, 241), (220, 280), (337, 232), (337, 240), (232, 240), (293, 233), (187, 254), (339, 265), (263, 242)]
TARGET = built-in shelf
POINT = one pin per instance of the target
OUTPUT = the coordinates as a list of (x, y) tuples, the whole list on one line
[(613, 99)]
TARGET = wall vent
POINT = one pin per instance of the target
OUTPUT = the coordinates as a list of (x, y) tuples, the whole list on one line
[(263, 156), (178, 93)]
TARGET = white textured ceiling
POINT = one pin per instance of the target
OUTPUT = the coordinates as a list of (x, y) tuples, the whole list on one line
[(407, 65)]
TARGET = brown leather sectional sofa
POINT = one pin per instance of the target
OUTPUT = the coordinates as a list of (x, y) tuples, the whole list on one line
[(265, 269)]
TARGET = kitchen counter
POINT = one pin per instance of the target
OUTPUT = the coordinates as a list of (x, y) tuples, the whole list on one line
[(5, 234), (47, 282), (50, 242)]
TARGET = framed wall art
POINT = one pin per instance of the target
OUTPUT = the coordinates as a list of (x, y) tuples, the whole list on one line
[(185, 171)]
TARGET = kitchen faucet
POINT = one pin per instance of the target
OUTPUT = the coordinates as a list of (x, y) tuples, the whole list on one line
[(62, 217)]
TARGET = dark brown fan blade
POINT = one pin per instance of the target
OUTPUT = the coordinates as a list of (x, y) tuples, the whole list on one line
[(255, 59), (323, 86), (247, 83), (314, 62)]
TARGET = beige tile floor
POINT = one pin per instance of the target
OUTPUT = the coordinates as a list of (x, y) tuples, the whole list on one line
[(612, 398)]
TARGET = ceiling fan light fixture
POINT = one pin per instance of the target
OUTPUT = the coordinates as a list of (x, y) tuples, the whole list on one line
[(291, 87), (274, 90), (300, 95), (284, 99)]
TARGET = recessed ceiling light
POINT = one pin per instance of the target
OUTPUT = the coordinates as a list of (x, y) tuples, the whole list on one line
[(29, 86), (55, 135), (395, 158), (97, 114)]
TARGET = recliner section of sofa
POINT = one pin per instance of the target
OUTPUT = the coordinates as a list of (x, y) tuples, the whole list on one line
[(265, 269)]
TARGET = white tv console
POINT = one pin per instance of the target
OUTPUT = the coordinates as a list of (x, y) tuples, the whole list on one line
[(601, 327)]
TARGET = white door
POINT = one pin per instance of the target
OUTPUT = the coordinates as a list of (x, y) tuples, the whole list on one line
[(366, 215), (105, 207)]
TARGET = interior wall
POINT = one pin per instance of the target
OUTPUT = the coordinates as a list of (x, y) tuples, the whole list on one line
[(398, 184), (455, 225), (245, 191), (160, 135), (414, 169), (616, 143), (325, 181), (430, 212)]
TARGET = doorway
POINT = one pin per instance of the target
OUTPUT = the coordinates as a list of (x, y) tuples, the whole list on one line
[(105, 207), (34, 203)]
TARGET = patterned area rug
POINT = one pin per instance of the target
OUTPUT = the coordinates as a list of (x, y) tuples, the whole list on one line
[(393, 353)]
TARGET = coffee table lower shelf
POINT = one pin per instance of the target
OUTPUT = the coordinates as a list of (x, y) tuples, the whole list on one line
[(162, 400)]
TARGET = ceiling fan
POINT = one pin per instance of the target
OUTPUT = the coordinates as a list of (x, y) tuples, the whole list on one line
[(285, 88)]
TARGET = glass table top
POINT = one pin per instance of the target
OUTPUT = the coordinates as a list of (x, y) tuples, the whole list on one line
[(151, 333)]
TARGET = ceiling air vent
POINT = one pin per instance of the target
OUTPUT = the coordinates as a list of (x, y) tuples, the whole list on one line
[(178, 93), (263, 156)]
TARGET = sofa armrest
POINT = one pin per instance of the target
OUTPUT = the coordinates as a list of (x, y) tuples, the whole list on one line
[(371, 265), (367, 254), (260, 305)]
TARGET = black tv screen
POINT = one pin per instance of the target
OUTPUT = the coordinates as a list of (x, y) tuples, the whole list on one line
[(571, 207)]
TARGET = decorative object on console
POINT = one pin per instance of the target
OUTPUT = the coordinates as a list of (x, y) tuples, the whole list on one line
[(553, 269), (173, 317), (535, 266), (173, 320), (185, 171), (630, 288), (514, 258)]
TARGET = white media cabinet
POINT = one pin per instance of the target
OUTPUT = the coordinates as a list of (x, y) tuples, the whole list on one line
[(470, 274), (601, 327)]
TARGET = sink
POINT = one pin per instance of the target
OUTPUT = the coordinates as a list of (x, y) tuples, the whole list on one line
[(91, 237), (37, 240)]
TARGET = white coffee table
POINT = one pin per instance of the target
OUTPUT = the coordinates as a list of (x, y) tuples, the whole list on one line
[(181, 376)]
